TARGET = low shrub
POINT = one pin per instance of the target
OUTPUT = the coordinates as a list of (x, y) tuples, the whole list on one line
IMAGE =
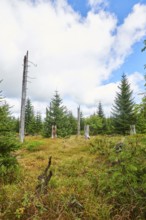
[(122, 181)]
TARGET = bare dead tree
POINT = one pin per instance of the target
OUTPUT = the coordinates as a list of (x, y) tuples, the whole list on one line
[(54, 131), (78, 128), (23, 98), (86, 131)]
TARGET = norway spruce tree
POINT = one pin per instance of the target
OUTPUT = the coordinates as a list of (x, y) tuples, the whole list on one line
[(140, 113), (29, 118), (72, 123), (8, 144), (144, 48), (38, 123), (141, 108), (100, 114), (95, 123), (122, 110), (57, 114)]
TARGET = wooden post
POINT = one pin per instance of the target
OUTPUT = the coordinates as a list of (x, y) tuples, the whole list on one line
[(54, 131), (86, 131), (78, 128), (23, 99)]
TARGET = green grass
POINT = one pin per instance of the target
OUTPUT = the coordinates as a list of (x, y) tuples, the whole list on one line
[(79, 187), (33, 145)]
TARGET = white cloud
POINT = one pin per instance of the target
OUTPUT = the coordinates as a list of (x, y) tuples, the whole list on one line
[(136, 81), (14, 106), (130, 32), (73, 54), (96, 4)]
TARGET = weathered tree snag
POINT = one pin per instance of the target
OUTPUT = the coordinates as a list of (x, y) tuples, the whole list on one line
[(54, 131), (132, 129), (23, 99), (44, 179), (78, 118), (86, 131)]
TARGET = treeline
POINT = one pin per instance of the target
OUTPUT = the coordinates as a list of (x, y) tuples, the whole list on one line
[(124, 113)]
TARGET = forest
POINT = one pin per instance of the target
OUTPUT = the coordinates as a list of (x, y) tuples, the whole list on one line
[(70, 177)]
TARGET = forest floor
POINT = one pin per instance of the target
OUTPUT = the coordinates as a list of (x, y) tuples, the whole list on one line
[(72, 192)]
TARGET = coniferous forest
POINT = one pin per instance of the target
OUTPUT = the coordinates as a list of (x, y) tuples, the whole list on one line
[(71, 177)]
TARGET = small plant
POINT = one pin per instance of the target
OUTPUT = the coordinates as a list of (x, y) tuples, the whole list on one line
[(19, 212)]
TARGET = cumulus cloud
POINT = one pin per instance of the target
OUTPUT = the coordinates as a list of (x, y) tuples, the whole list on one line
[(130, 32), (74, 55)]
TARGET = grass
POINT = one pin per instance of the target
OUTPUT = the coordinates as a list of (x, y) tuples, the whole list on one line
[(71, 195)]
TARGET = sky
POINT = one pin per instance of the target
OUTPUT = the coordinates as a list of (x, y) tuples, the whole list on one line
[(81, 49)]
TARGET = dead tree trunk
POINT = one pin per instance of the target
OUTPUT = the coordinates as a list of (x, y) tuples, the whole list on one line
[(86, 130), (132, 129), (78, 128), (54, 131), (23, 98)]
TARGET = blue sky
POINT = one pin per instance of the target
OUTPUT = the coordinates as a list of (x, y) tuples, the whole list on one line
[(81, 48), (136, 61), (121, 9), (118, 7)]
